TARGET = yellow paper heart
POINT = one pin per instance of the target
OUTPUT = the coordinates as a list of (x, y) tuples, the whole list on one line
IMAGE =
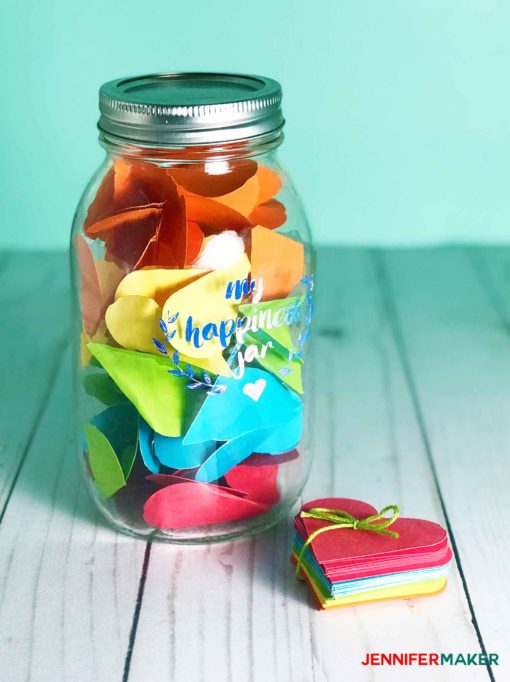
[(157, 283), (100, 336), (133, 321), (216, 364), (204, 311)]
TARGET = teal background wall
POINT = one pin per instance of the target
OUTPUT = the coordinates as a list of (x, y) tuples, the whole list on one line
[(397, 110)]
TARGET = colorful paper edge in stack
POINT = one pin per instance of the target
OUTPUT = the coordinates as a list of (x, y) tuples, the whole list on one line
[(328, 591)]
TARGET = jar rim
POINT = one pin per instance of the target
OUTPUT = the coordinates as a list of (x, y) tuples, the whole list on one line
[(176, 109)]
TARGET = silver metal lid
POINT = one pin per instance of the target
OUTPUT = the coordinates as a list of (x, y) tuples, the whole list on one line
[(190, 108)]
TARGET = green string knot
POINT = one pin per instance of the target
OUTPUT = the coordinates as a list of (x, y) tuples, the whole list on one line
[(377, 523)]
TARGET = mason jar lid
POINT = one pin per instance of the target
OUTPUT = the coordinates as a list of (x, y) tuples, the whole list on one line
[(190, 108)]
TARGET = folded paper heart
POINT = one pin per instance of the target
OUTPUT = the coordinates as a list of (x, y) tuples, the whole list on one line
[(260, 459), (287, 371), (140, 214), (278, 260), (270, 214), (269, 183), (157, 283), (101, 387), (214, 216), (189, 504), (259, 485), (185, 476), (272, 441), (111, 447), (349, 553), (204, 318), (98, 281), (235, 413), (146, 381), (212, 179), (158, 450), (274, 322), (211, 458)]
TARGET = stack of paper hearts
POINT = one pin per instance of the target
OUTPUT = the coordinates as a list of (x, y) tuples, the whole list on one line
[(349, 565)]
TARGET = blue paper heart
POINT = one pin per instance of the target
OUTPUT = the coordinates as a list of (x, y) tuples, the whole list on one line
[(227, 456), (146, 444), (170, 452), (269, 441), (283, 438), (256, 402)]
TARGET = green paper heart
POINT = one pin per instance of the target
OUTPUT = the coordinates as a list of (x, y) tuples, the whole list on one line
[(161, 398), (280, 337), (100, 386), (288, 372), (106, 468), (119, 424)]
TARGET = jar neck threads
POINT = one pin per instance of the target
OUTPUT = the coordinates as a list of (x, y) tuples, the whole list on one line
[(262, 144)]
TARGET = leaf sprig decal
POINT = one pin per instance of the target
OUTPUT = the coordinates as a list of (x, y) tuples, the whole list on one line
[(205, 382)]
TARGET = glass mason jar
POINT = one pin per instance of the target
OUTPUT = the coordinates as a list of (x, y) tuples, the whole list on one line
[(192, 271)]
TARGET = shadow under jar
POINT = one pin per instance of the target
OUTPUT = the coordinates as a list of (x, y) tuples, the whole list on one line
[(193, 278)]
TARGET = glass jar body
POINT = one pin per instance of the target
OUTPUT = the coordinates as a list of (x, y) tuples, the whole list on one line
[(192, 279)]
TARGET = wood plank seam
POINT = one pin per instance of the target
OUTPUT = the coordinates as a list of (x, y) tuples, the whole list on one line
[(61, 350), (398, 335), (136, 613)]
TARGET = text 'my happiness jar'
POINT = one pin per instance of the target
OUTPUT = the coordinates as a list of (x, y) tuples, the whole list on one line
[(192, 267)]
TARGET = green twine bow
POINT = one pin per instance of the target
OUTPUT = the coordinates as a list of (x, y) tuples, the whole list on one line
[(377, 523)]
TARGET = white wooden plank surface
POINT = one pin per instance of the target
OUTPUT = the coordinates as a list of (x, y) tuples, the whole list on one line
[(391, 400), (68, 584), (34, 315), (458, 354)]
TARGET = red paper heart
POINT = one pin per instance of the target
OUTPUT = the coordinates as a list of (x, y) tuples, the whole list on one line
[(126, 185), (259, 459), (140, 214), (167, 247), (192, 503), (270, 214), (197, 177), (259, 482), (344, 551), (194, 243), (181, 475), (90, 287), (269, 183), (213, 216)]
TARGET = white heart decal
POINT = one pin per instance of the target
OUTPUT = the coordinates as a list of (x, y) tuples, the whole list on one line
[(254, 390)]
